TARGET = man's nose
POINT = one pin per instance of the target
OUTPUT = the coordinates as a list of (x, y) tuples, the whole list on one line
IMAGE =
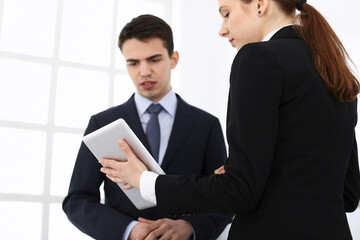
[(145, 69)]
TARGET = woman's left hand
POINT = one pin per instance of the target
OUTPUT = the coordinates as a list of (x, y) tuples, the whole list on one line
[(220, 170), (128, 172)]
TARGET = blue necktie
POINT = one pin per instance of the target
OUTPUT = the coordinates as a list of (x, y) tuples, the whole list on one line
[(153, 129)]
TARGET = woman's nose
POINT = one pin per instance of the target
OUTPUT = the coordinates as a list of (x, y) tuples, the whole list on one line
[(223, 31)]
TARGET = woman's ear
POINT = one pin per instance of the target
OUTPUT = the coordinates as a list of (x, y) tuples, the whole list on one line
[(261, 6)]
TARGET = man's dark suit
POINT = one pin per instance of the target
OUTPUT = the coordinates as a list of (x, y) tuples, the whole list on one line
[(292, 170), (196, 146)]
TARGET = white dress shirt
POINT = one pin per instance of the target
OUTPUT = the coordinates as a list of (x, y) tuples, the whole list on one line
[(148, 179), (272, 33)]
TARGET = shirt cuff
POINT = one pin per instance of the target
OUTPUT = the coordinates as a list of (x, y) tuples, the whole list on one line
[(147, 186), (129, 229)]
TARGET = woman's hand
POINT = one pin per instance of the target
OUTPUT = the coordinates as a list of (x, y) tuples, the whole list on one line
[(220, 170), (128, 172)]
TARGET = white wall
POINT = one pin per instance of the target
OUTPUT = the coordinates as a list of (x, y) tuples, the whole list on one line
[(205, 58)]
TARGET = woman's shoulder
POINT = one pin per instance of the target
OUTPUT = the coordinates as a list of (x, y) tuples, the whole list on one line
[(253, 53), (276, 51)]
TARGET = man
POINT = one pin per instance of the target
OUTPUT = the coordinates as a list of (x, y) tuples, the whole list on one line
[(191, 142)]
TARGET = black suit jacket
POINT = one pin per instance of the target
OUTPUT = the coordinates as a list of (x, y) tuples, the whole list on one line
[(196, 146), (292, 169)]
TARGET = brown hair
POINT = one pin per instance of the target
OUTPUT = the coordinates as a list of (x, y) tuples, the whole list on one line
[(329, 54), (330, 57), (145, 27)]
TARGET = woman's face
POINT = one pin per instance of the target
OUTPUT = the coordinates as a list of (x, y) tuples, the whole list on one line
[(241, 23)]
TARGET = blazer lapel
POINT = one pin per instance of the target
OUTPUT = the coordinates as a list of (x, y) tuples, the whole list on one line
[(182, 125)]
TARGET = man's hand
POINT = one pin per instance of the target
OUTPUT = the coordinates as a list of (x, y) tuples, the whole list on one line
[(140, 231), (161, 229), (128, 172)]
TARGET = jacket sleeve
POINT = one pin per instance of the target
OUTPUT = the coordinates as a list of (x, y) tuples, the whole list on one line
[(82, 204), (352, 182), (252, 127)]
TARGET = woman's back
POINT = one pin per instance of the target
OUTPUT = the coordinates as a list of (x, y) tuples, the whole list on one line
[(303, 196)]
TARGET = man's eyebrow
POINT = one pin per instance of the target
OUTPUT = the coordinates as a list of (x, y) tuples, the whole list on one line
[(131, 60), (148, 58), (154, 56)]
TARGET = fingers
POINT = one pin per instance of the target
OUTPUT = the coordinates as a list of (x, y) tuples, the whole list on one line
[(114, 179), (220, 170), (110, 163), (154, 234), (160, 232), (144, 220), (161, 229), (125, 148), (167, 229), (111, 174), (124, 172), (126, 186), (109, 170), (139, 231)]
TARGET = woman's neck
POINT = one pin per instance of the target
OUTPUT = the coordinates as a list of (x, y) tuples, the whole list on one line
[(275, 19)]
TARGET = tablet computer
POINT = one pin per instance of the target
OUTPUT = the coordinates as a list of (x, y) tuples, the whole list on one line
[(103, 143)]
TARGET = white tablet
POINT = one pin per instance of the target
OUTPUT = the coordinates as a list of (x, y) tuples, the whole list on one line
[(103, 143)]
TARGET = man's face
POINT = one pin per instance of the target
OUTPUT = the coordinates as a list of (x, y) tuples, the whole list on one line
[(149, 66)]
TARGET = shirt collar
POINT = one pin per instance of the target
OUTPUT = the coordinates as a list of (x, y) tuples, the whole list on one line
[(271, 34), (168, 102)]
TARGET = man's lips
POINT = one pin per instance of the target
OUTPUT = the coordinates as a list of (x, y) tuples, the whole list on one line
[(148, 85)]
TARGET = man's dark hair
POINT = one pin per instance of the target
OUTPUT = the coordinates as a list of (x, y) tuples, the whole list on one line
[(145, 27)]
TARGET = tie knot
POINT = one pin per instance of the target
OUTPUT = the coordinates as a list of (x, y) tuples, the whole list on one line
[(154, 108)]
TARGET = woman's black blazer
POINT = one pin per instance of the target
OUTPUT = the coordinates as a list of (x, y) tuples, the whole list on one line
[(292, 170)]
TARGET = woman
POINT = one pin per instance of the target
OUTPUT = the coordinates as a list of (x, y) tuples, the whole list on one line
[(292, 170)]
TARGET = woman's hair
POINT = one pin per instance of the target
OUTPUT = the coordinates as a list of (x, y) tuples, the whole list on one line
[(145, 27), (330, 56)]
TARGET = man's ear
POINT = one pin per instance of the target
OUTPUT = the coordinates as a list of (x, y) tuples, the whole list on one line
[(174, 59)]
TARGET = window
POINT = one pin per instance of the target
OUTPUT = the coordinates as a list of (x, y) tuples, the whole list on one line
[(59, 64)]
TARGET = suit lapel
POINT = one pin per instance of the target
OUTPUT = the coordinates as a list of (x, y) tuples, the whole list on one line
[(132, 119), (181, 128)]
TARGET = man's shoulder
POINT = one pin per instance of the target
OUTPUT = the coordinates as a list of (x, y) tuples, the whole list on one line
[(115, 112)]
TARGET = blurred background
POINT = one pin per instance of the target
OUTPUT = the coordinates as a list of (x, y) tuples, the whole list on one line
[(59, 64)]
